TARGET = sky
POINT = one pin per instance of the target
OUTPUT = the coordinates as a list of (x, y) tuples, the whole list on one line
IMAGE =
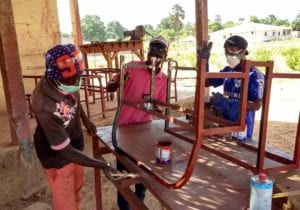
[(131, 13)]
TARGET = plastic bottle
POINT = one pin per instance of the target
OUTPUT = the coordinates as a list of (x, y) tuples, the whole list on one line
[(261, 187)]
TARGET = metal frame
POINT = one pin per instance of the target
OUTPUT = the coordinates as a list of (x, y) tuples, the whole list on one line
[(261, 149), (36, 79), (104, 72), (198, 127), (226, 126)]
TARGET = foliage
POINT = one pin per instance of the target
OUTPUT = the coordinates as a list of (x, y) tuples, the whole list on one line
[(93, 28), (172, 27), (114, 30), (270, 20), (149, 30), (177, 15), (254, 19), (262, 54), (184, 54), (296, 24), (286, 49), (284, 22), (214, 26), (165, 23), (169, 34), (229, 24), (186, 59), (292, 58), (189, 30), (241, 20), (165, 29), (215, 60)]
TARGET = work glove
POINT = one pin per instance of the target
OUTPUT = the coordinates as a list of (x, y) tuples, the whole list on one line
[(108, 170), (204, 52), (229, 107)]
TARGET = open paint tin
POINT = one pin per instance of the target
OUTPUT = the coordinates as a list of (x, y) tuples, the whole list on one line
[(163, 151)]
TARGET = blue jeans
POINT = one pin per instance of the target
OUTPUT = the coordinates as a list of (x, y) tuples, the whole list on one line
[(140, 191)]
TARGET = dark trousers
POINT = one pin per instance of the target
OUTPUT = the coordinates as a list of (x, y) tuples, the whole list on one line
[(140, 191)]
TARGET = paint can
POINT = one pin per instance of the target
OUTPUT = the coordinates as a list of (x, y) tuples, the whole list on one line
[(163, 151), (261, 191)]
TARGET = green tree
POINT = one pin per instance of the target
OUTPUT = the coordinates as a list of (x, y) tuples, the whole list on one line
[(215, 26), (282, 22), (169, 34), (165, 23), (271, 20), (114, 30), (177, 15), (296, 23), (242, 20), (93, 28), (165, 28), (292, 58), (255, 19), (149, 30), (189, 29), (229, 24)]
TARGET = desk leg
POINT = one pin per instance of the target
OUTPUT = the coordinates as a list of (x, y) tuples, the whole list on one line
[(102, 98), (97, 176), (132, 199), (98, 191), (86, 96)]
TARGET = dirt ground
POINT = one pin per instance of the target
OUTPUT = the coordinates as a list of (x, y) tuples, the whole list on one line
[(284, 113)]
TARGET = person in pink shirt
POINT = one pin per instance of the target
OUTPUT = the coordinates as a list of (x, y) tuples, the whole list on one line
[(137, 80)]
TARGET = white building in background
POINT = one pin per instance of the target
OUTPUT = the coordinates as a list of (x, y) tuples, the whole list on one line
[(253, 32)]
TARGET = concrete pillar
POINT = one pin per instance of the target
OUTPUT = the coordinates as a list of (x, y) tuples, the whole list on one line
[(12, 79)]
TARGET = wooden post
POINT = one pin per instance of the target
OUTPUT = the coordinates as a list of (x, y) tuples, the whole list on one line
[(201, 30), (12, 80), (201, 22), (76, 27)]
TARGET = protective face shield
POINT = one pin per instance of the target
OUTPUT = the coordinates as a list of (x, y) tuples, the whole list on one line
[(62, 62)]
